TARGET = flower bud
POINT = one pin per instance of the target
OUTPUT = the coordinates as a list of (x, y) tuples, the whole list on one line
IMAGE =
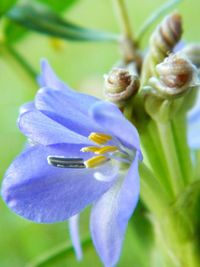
[(162, 41), (120, 85), (176, 74)]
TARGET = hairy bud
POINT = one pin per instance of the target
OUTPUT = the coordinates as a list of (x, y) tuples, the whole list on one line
[(176, 74), (120, 85)]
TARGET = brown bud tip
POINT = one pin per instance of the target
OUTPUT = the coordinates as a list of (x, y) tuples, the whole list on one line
[(167, 34), (175, 71), (120, 85)]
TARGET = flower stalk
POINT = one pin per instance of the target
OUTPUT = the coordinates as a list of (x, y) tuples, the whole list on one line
[(128, 44)]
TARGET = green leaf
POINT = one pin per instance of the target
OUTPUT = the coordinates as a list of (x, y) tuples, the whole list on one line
[(58, 6), (41, 19), (13, 32), (57, 254), (5, 5)]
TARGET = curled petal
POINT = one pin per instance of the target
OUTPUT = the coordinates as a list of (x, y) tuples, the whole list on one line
[(43, 193), (49, 79), (110, 215), (26, 107)]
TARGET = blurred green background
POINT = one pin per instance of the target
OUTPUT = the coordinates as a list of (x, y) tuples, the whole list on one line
[(82, 66)]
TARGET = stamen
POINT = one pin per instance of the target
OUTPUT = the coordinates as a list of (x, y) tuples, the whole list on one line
[(95, 161), (61, 162), (99, 150), (93, 149), (106, 149), (100, 138)]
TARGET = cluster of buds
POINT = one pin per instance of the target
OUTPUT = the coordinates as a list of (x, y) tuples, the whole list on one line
[(162, 77)]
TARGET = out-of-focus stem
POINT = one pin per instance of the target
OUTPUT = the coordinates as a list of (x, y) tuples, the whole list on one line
[(128, 45), (19, 64), (123, 18)]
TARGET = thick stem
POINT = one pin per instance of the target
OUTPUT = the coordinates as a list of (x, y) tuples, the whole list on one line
[(171, 156), (152, 192), (197, 164), (179, 129), (152, 147)]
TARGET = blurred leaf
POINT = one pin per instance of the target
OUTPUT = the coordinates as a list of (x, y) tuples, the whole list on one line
[(58, 6), (13, 32), (43, 20), (5, 5), (57, 254)]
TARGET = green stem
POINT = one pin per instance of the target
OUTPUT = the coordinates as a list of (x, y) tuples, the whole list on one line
[(179, 129), (152, 147), (55, 254), (123, 18), (20, 64), (171, 157), (152, 192), (197, 164)]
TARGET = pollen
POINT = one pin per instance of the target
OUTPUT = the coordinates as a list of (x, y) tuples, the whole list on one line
[(100, 138), (95, 161)]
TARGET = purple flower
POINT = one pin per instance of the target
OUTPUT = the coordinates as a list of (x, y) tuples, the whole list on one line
[(82, 151)]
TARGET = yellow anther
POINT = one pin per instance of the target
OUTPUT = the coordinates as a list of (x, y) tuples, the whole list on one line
[(106, 149), (95, 161), (93, 149), (100, 138)]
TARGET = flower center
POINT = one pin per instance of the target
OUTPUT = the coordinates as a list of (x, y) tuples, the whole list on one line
[(107, 148)]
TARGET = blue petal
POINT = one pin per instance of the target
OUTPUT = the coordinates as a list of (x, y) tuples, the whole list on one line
[(194, 125), (26, 107), (49, 79), (43, 130), (43, 193), (113, 121), (70, 111), (110, 215), (74, 234)]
